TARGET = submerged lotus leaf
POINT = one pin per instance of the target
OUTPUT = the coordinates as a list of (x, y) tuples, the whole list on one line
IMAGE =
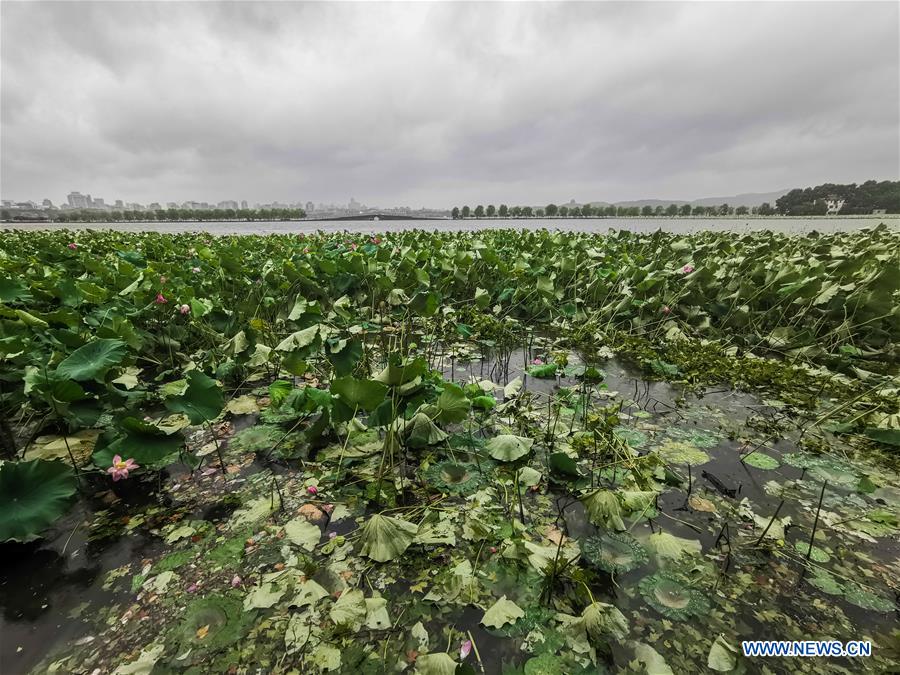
[(602, 620), (672, 598), (861, 597), (211, 624), (501, 613), (263, 596), (303, 533), (614, 552), (817, 554), (603, 509), (384, 538), (696, 437), (33, 495), (677, 452), (508, 448), (260, 438), (454, 477), (761, 461), (634, 437)]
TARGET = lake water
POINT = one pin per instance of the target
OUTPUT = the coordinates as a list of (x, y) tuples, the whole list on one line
[(680, 225)]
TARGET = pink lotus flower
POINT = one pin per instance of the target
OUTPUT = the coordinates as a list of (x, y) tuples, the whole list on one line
[(493, 549), (185, 309), (687, 269), (235, 581), (666, 309), (375, 240), (195, 270), (537, 362), (160, 299), (120, 469), (306, 250), (353, 246), (465, 649), (73, 246), (192, 588), (313, 490), (332, 535)]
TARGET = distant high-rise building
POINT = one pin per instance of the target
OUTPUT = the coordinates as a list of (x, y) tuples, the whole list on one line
[(154, 206), (310, 207), (47, 204), (244, 204), (78, 201), (119, 204), (228, 204), (171, 205), (98, 203)]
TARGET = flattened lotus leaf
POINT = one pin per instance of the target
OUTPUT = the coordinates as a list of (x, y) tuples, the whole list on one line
[(421, 432), (297, 633), (33, 494), (303, 533), (350, 608), (669, 547), (652, 660), (308, 593), (385, 538), (722, 656), (501, 613), (92, 360), (144, 663), (603, 509), (263, 596), (672, 598), (326, 657), (508, 448), (614, 552), (439, 663), (377, 617), (260, 438), (602, 620)]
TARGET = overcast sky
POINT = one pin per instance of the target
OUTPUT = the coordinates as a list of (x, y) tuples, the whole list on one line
[(443, 104)]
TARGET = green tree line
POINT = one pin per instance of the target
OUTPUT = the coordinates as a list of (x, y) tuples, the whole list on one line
[(610, 211), (858, 199)]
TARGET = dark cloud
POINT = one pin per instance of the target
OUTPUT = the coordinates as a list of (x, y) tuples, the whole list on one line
[(443, 103)]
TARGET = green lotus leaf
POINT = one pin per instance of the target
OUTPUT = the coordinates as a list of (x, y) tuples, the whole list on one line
[(362, 394), (452, 404), (420, 431), (602, 621), (401, 372), (545, 372), (145, 443), (33, 495), (614, 552), (508, 448), (202, 401), (302, 533), (92, 360), (861, 597), (817, 554), (384, 538), (603, 509)]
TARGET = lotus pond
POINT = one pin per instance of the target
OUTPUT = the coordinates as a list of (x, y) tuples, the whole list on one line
[(437, 452)]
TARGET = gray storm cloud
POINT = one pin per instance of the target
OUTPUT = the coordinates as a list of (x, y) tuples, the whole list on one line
[(438, 104)]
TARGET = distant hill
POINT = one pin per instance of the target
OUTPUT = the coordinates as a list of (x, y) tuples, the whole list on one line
[(745, 199)]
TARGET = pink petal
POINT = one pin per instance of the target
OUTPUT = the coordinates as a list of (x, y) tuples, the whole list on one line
[(117, 459), (465, 649)]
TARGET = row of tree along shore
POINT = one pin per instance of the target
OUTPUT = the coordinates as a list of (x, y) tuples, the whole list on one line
[(611, 211), (827, 199)]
